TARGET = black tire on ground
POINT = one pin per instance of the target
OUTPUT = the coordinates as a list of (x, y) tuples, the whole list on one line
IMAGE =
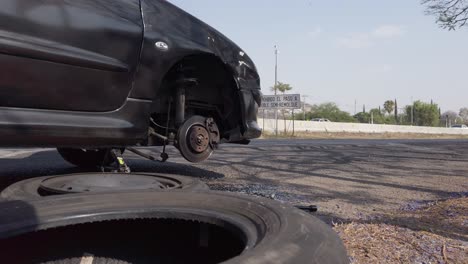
[(30, 189), (254, 230), (85, 158)]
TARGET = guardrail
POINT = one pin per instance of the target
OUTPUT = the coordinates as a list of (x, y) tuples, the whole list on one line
[(332, 127)]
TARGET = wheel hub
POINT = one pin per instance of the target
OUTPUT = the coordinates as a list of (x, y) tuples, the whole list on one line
[(199, 139), (82, 183)]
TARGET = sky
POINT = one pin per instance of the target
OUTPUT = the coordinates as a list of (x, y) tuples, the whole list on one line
[(343, 51)]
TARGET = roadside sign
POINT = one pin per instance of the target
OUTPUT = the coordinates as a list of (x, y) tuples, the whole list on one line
[(281, 101)]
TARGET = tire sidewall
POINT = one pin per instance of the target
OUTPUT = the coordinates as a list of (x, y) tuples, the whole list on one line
[(282, 234)]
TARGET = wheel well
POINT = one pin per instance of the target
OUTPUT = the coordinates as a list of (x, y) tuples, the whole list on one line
[(213, 94)]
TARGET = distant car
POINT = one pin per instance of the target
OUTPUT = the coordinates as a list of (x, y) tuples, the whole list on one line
[(320, 120), (459, 126)]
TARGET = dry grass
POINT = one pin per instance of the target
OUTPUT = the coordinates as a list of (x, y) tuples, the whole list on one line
[(437, 233)]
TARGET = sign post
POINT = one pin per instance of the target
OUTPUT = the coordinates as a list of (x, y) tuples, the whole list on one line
[(263, 119), (293, 121), (281, 101)]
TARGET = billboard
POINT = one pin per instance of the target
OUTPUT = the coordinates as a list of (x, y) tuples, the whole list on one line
[(281, 101)]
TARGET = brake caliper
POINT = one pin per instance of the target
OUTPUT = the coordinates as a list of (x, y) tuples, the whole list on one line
[(213, 129)]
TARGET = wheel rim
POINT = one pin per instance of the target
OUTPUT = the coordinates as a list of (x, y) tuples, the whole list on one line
[(82, 183)]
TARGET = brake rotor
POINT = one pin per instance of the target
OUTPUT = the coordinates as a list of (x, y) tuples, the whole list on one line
[(82, 183), (199, 138)]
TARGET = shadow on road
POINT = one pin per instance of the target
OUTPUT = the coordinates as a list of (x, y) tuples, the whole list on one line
[(351, 182), (356, 167), (14, 217)]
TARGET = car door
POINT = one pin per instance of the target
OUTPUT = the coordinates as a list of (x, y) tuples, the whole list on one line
[(77, 55)]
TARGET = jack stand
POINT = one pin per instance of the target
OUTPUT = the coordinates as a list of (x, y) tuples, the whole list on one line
[(164, 156), (119, 164)]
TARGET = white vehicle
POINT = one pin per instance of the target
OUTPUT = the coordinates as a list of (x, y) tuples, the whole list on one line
[(460, 126), (320, 120)]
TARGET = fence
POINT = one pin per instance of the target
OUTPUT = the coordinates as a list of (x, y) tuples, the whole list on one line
[(331, 127)]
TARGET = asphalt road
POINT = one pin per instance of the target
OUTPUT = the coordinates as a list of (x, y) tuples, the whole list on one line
[(347, 179)]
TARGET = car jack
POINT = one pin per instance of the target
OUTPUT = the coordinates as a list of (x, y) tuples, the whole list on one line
[(118, 165)]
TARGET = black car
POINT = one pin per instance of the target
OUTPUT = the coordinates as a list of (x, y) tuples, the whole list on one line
[(87, 76)]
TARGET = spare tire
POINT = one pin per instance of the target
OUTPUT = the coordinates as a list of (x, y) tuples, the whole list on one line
[(99, 182), (199, 227)]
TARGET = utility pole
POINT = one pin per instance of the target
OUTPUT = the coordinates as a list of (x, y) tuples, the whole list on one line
[(276, 69), (396, 112), (412, 110), (303, 105), (355, 106), (276, 87)]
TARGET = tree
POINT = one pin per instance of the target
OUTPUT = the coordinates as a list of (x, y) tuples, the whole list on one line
[(449, 117), (363, 117), (329, 111), (281, 87), (464, 114), (424, 114), (376, 116), (389, 106), (450, 14), (450, 114), (376, 111)]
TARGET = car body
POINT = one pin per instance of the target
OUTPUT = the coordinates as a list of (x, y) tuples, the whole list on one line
[(320, 120), (460, 126), (118, 73)]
